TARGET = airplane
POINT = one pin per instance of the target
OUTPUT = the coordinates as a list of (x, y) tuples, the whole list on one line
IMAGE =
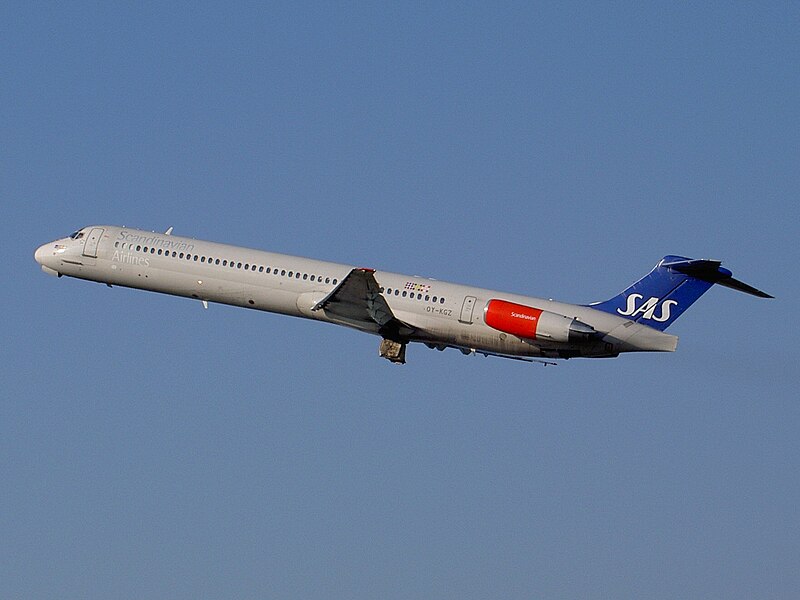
[(398, 308)]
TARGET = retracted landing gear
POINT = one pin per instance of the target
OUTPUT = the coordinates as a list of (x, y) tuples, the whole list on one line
[(393, 351)]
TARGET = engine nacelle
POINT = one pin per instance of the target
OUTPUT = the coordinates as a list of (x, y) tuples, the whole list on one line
[(534, 323)]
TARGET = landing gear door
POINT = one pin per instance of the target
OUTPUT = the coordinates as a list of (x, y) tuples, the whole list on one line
[(92, 240), (466, 309)]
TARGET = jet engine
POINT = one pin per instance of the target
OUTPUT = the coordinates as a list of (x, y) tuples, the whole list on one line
[(534, 323)]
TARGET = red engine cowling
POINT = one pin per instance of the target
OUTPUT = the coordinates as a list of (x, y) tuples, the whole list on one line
[(534, 323)]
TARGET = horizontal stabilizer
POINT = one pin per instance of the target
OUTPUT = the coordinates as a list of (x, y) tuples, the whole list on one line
[(711, 271)]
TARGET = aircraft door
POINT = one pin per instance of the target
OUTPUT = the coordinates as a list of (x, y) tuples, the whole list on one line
[(92, 240), (466, 309)]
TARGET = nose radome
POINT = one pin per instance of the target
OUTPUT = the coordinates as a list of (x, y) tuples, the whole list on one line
[(39, 254), (45, 256)]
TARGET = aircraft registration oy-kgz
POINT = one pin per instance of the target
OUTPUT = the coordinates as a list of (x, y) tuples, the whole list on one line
[(398, 308)]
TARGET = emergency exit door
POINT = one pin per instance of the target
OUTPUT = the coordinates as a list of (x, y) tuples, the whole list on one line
[(466, 309)]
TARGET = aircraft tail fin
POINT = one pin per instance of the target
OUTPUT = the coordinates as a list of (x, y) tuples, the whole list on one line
[(669, 289)]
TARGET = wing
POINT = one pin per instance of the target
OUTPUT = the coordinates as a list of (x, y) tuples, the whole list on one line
[(357, 301)]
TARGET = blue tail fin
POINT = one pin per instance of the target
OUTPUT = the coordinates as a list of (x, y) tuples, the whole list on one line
[(662, 295)]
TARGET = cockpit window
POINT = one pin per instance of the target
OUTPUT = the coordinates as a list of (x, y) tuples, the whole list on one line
[(77, 235)]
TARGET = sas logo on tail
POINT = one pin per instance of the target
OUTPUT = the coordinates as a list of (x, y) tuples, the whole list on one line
[(647, 309)]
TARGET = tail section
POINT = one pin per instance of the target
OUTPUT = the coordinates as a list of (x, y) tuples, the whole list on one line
[(662, 295)]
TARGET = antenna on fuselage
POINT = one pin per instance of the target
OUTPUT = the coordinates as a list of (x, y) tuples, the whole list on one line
[(168, 231)]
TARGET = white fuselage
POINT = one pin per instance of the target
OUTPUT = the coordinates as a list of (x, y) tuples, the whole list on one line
[(441, 314)]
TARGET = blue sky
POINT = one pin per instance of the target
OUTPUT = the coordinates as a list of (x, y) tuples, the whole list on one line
[(149, 448)]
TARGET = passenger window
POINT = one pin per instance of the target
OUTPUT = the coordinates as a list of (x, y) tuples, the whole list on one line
[(181, 254), (427, 298), (404, 293), (441, 300), (138, 248), (335, 281), (238, 265), (305, 276), (260, 269), (195, 258), (434, 298), (327, 280), (283, 272), (297, 275)]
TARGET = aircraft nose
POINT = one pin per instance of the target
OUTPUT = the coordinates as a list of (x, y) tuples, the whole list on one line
[(45, 256), (40, 254)]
